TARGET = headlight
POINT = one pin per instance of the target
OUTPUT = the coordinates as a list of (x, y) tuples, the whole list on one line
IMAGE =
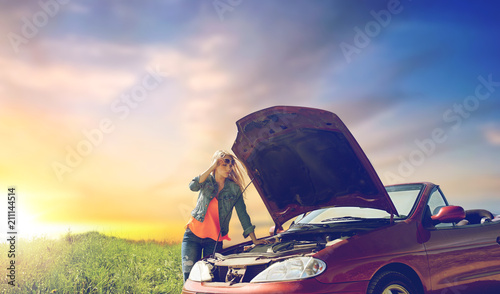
[(201, 272), (291, 269)]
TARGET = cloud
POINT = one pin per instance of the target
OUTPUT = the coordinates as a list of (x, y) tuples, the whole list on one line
[(59, 83), (78, 8), (492, 134), (214, 72)]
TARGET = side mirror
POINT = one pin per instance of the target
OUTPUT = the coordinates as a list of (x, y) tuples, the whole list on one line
[(449, 214)]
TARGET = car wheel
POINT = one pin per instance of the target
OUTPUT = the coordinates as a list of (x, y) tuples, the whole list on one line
[(391, 282)]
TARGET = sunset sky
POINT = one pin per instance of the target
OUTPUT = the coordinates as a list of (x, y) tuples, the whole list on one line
[(109, 108)]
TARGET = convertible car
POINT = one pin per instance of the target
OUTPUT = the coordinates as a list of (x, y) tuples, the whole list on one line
[(350, 233)]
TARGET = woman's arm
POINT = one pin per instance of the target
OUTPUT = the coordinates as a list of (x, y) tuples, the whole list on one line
[(205, 174), (255, 241), (195, 184), (248, 228)]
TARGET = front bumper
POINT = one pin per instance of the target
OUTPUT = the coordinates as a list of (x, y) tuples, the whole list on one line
[(289, 287)]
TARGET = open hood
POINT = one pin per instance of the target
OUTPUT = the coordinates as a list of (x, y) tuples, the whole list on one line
[(302, 159)]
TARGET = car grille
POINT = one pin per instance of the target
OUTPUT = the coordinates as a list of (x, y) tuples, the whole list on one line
[(242, 274)]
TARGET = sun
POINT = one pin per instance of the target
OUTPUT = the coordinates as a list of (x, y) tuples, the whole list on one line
[(27, 225)]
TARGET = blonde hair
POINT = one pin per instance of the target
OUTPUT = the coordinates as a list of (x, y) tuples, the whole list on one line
[(236, 174)]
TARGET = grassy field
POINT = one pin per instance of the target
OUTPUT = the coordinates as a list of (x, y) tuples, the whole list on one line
[(92, 263)]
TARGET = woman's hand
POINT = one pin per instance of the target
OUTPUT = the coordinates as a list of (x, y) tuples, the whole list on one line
[(215, 162), (261, 242), (258, 242), (212, 167)]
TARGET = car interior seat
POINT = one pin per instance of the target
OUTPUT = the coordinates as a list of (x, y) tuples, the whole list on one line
[(478, 216)]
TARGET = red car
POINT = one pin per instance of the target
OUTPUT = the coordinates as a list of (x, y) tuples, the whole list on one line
[(350, 234)]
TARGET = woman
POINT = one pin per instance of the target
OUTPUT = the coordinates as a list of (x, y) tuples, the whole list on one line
[(220, 187)]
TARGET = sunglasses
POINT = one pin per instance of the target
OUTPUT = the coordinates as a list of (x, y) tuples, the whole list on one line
[(229, 161)]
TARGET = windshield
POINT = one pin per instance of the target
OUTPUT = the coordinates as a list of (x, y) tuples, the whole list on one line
[(404, 198)]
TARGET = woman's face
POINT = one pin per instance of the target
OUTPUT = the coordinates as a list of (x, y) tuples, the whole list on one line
[(225, 166)]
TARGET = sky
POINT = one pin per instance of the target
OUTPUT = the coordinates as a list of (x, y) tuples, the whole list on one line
[(108, 109)]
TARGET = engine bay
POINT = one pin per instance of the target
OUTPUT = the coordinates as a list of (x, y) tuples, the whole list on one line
[(240, 264)]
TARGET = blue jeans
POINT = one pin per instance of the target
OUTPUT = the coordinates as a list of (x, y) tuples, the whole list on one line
[(194, 248)]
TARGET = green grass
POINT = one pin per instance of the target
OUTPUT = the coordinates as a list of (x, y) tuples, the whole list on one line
[(92, 263)]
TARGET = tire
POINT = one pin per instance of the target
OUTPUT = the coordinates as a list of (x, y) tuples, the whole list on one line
[(391, 282)]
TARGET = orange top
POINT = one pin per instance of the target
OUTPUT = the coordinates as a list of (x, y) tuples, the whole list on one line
[(210, 227)]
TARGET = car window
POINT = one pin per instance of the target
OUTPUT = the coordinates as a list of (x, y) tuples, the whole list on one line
[(404, 198), (332, 214)]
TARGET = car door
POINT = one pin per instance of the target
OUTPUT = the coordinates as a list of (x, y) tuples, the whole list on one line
[(462, 259)]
